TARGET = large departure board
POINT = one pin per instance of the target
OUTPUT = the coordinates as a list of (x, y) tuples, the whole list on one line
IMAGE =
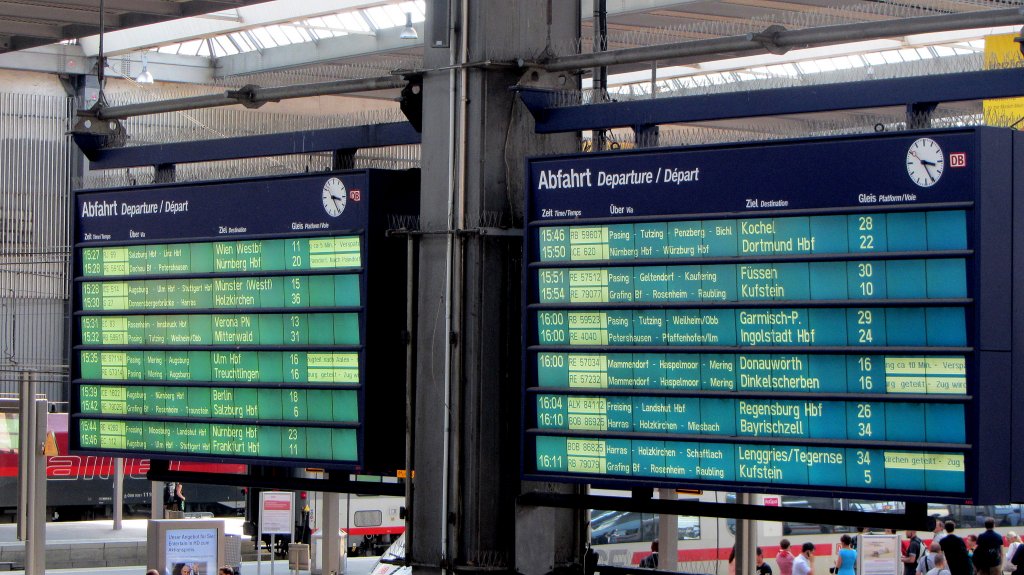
[(251, 320), (828, 316)]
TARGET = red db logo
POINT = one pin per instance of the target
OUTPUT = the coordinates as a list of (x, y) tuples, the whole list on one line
[(354, 195), (958, 160)]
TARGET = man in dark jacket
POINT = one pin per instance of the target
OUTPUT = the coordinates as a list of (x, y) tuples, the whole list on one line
[(651, 561), (988, 556), (955, 550)]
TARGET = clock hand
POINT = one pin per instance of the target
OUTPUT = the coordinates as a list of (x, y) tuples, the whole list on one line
[(927, 171), (336, 197)]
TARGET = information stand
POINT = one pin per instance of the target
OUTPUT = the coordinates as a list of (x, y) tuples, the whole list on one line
[(829, 316), (277, 517), (879, 555)]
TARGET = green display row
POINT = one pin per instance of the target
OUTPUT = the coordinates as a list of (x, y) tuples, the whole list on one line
[(227, 366), (897, 279), (320, 253), (751, 372), (222, 329), (223, 293), (851, 420), (265, 404), (859, 233), (821, 467), (262, 441), (868, 327)]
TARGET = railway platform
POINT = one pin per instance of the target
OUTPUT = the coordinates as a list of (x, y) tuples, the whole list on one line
[(75, 547)]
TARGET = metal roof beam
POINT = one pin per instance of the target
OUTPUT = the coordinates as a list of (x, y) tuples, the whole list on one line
[(71, 59), (33, 29), (774, 102), (782, 39), (156, 7), (20, 10), (306, 53), (265, 14), (307, 142)]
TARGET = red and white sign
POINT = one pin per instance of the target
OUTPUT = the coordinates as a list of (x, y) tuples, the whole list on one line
[(277, 515), (958, 160), (771, 502)]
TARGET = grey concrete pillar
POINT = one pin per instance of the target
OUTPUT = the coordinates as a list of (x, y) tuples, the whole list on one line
[(475, 137)]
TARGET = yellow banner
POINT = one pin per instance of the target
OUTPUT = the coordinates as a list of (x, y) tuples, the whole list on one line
[(1000, 52)]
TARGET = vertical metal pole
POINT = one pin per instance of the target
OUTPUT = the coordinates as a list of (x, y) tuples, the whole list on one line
[(654, 79), (273, 539), (410, 375), (156, 500), (24, 438), (746, 541), (37, 516), (668, 534), (331, 541), (118, 491), (600, 74)]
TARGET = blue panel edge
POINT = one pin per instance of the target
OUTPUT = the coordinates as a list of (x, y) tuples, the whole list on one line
[(328, 139), (795, 100)]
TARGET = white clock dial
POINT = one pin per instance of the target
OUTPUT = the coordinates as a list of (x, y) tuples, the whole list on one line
[(925, 162), (335, 197)]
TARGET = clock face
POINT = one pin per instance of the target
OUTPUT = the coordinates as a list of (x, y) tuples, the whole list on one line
[(335, 196), (925, 162)]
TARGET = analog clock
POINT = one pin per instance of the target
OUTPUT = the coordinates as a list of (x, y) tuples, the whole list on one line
[(925, 162), (335, 196)]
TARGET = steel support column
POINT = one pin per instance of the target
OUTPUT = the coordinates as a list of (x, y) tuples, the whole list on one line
[(463, 504)]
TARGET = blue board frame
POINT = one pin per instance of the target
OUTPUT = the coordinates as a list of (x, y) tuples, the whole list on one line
[(267, 208), (846, 175)]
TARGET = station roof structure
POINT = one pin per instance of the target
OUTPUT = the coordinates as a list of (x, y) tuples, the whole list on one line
[(28, 23), (233, 42)]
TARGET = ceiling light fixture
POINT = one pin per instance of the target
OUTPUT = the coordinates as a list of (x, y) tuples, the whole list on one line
[(145, 77), (409, 33)]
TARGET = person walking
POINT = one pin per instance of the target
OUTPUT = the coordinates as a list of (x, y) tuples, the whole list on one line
[(1013, 542), (174, 500), (912, 553), (940, 566), (651, 561), (988, 555), (785, 558), (846, 559), (804, 563), (939, 531), (927, 561), (955, 551), (760, 566)]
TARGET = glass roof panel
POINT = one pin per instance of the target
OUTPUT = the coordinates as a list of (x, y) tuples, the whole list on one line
[(353, 21)]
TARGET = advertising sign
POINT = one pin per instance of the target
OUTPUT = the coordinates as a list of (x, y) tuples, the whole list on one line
[(277, 512), (190, 551)]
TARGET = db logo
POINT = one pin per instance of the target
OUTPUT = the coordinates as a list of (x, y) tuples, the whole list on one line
[(354, 195), (958, 160)]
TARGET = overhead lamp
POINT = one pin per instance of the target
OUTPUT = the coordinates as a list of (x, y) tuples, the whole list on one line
[(145, 77), (409, 33)]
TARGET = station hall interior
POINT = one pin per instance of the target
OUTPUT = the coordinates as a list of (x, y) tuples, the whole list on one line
[(538, 286)]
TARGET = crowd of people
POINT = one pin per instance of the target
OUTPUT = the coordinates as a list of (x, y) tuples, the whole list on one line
[(946, 553)]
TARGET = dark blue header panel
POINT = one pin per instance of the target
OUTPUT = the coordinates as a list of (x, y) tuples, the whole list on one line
[(232, 209), (804, 317), (793, 176)]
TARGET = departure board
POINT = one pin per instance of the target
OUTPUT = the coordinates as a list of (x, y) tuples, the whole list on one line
[(826, 316), (249, 320)]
